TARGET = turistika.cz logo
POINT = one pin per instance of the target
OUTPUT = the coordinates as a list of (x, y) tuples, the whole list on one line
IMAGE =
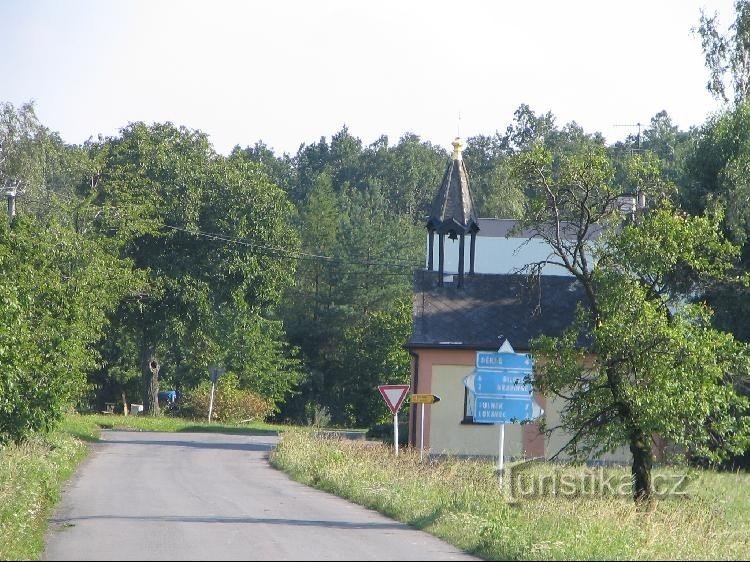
[(537, 479)]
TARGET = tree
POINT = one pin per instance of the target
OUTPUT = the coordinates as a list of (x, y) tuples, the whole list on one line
[(658, 366), (728, 54), (716, 181), (280, 169), (373, 354), (57, 288), (60, 280), (527, 128), (494, 190), (210, 234)]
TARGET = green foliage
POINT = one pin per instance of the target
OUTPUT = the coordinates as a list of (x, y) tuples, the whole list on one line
[(494, 190), (716, 183), (256, 351), (373, 354), (718, 170), (207, 232), (727, 54), (57, 288), (658, 365), (231, 403), (330, 310)]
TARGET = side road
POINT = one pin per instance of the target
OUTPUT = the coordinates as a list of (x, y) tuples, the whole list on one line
[(199, 496)]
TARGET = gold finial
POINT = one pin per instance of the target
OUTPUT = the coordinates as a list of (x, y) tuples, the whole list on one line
[(458, 147)]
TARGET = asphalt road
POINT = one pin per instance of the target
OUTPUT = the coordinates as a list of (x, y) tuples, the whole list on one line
[(202, 496)]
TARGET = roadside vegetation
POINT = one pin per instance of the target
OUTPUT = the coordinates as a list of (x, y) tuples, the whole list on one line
[(31, 477), (461, 501)]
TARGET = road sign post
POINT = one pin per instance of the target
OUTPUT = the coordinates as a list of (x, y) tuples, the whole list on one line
[(394, 395), (215, 372), (395, 433), (423, 399), (421, 435), (501, 455)]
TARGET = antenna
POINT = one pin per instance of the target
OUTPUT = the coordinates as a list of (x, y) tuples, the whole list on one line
[(638, 138), (458, 125)]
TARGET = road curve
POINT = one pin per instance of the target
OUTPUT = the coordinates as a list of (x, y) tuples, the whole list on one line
[(204, 496)]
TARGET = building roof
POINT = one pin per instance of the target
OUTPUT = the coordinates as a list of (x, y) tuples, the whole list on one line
[(453, 208), (490, 307), (510, 228)]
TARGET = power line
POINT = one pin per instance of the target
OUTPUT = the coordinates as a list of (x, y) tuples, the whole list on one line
[(280, 252), (284, 253)]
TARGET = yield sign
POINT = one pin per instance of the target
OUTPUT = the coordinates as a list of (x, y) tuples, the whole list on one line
[(394, 395)]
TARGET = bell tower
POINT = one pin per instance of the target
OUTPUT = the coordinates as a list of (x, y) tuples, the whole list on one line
[(452, 214)]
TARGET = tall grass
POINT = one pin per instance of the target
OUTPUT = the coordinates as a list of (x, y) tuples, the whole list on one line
[(462, 502), (31, 476)]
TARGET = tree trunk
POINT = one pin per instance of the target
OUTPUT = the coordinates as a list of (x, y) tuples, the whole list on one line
[(640, 446), (124, 404), (150, 370)]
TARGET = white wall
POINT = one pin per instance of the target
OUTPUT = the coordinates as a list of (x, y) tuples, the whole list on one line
[(498, 255)]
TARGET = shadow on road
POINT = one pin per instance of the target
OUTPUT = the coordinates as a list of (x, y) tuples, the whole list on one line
[(193, 444), (227, 430), (236, 520)]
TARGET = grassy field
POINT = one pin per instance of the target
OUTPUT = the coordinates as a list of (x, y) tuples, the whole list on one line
[(462, 502), (32, 474)]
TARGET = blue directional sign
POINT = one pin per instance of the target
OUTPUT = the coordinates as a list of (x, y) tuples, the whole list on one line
[(501, 361), (498, 389), (509, 383), (495, 409)]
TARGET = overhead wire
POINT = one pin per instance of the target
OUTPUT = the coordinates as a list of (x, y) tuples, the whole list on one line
[(298, 255), (280, 252)]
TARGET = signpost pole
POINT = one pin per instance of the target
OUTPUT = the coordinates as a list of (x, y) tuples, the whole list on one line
[(395, 432), (215, 371), (421, 436), (501, 453), (211, 402)]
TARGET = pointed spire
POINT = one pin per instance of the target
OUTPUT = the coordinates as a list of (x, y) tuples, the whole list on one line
[(453, 208), (453, 214)]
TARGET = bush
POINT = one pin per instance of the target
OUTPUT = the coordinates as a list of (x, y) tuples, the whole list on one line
[(231, 403), (384, 432)]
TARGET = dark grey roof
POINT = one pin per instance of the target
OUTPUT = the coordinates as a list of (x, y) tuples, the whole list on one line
[(502, 228), (490, 306), (453, 208)]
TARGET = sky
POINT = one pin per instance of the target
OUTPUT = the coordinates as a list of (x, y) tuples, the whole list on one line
[(288, 72)]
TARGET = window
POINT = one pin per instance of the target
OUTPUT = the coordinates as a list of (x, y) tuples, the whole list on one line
[(469, 399)]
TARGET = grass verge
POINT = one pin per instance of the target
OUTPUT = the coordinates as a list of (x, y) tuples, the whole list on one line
[(462, 502), (31, 476)]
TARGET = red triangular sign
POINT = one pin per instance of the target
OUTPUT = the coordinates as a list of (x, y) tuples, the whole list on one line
[(394, 395)]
